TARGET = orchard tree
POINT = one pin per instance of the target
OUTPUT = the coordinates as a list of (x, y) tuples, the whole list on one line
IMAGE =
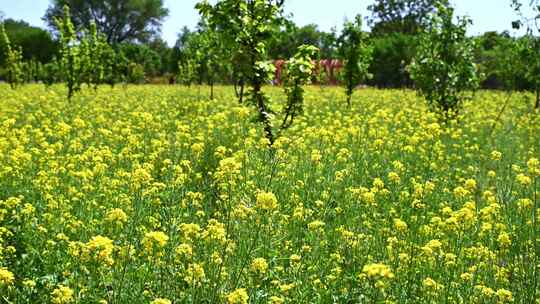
[(529, 47), (203, 58), (31, 70), (71, 59), (354, 50), (120, 21), (186, 72), (394, 28), (94, 49), (246, 27), (13, 59), (529, 52), (83, 57), (114, 65), (298, 72), (211, 57), (51, 73), (443, 69), (401, 16)]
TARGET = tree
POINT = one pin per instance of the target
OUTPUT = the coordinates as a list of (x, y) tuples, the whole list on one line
[(298, 72), (119, 20), (71, 61), (529, 50), (203, 58), (186, 72), (403, 16), (36, 43), (93, 48), (211, 58), (160, 47), (497, 59), (530, 45), (143, 55), (443, 68), (13, 61), (392, 53), (84, 56), (285, 43), (246, 27), (356, 54), (394, 27)]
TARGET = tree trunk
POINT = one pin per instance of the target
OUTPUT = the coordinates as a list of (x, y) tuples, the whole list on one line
[(263, 114), (239, 90), (537, 105)]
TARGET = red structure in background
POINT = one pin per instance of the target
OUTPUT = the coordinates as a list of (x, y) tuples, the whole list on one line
[(330, 67)]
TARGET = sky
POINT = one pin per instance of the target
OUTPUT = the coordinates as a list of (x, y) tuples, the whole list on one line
[(487, 15)]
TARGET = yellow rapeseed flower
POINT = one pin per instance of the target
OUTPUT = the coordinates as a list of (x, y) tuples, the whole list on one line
[(62, 295), (504, 295), (161, 301), (101, 248), (523, 179), (496, 155), (154, 239), (400, 225), (259, 265), (117, 216), (377, 271), (239, 296), (266, 201), (6, 276)]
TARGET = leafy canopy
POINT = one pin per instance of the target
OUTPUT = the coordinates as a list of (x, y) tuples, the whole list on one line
[(443, 69), (118, 20), (354, 50), (298, 72), (403, 16)]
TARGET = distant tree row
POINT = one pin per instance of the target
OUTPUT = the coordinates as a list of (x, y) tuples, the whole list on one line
[(132, 28)]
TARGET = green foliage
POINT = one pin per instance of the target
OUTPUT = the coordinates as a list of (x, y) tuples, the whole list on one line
[(135, 73), (13, 60), (529, 47), (529, 52), (119, 21), (84, 58), (142, 54), (36, 43), (297, 72), (443, 69), (114, 66), (391, 55), (186, 72), (160, 47), (285, 43), (203, 58), (51, 72), (401, 16), (246, 27), (94, 48), (356, 54), (211, 58), (32, 70), (71, 57), (499, 62)]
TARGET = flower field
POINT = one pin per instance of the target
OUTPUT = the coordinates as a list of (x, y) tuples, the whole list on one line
[(155, 194)]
